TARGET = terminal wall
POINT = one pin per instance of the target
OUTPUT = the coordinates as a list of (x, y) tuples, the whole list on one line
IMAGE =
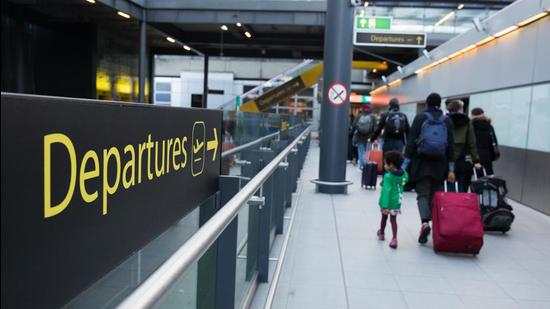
[(510, 79)]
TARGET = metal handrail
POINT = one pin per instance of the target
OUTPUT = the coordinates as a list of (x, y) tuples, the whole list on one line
[(242, 147), (156, 285)]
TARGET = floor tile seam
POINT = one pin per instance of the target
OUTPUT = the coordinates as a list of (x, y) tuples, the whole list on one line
[(340, 253)]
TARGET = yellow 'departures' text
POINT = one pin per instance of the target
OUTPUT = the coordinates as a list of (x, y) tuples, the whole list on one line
[(115, 168)]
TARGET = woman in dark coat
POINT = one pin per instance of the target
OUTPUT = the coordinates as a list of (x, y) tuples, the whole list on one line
[(485, 137), (428, 173)]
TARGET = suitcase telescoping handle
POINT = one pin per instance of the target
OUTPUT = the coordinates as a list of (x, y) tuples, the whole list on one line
[(373, 146), (445, 186), (475, 172)]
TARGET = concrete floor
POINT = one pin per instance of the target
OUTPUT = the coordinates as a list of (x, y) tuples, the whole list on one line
[(335, 261)]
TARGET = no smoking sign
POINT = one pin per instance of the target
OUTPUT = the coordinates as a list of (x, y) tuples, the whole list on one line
[(337, 93)]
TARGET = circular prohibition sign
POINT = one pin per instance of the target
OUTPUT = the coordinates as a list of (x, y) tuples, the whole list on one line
[(337, 93)]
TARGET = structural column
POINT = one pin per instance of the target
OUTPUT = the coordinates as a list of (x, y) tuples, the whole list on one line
[(335, 102), (142, 58), (205, 83)]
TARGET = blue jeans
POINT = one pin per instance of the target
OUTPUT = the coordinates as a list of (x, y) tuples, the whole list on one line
[(361, 148)]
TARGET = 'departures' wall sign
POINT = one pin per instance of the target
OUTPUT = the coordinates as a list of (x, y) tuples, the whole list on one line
[(86, 183)]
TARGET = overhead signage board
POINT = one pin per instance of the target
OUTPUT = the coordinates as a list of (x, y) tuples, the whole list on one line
[(373, 22), (389, 38), (86, 183)]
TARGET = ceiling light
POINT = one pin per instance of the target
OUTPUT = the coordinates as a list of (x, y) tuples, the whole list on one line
[(224, 27), (366, 3), (90, 1), (238, 24), (400, 69), (395, 82), (532, 19), (187, 48), (454, 54), (478, 24), (442, 20), (171, 40), (426, 54), (123, 14), (467, 49), (460, 6), (442, 60), (486, 40), (505, 31), (248, 35), (374, 71), (384, 78)]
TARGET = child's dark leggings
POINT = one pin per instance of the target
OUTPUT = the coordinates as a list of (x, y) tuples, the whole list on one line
[(393, 221)]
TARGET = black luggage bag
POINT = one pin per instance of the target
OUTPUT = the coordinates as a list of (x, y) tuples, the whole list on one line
[(369, 175), (496, 213)]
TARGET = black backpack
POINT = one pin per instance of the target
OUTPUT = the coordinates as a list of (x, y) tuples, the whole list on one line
[(395, 124)]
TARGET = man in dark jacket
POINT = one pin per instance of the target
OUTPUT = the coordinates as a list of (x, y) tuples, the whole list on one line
[(429, 172), (394, 138), (465, 145), (364, 124), (486, 139)]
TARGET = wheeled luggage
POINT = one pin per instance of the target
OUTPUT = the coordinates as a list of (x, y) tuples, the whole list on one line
[(369, 174), (457, 226), (374, 154), (496, 213)]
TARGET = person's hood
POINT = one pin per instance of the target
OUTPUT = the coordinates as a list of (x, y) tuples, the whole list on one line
[(459, 119), (398, 172), (481, 122), (481, 118)]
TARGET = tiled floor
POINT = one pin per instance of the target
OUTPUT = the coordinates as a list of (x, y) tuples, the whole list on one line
[(335, 261)]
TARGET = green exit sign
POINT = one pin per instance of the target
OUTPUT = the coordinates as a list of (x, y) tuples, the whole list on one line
[(373, 22)]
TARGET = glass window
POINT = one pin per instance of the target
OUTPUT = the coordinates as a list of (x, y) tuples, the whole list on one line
[(539, 120), (162, 97), (163, 87)]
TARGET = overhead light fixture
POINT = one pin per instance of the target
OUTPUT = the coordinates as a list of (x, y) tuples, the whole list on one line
[(485, 41), (426, 54), (400, 69), (460, 6), (478, 25), (248, 35), (187, 48), (90, 1), (238, 24), (127, 16), (224, 28), (440, 61), (366, 3), (533, 18), (455, 54), (505, 31), (395, 82), (171, 40), (467, 49), (442, 20), (384, 78), (374, 70)]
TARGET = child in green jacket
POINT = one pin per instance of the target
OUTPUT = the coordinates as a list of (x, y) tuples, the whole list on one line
[(392, 192)]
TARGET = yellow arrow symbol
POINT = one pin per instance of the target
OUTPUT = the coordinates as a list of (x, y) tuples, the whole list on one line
[(213, 144)]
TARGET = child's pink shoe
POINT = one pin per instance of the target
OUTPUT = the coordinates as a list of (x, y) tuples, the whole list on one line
[(380, 235), (393, 243)]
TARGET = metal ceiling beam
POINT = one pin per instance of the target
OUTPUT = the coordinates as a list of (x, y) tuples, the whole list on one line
[(227, 17)]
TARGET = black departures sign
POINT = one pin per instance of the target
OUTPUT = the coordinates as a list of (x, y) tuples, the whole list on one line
[(85, 184)]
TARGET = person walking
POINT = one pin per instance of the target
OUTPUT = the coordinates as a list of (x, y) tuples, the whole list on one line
[(465, 149), (486, 139), (352, 147), (364, 124), (395, 126), (430, 151)]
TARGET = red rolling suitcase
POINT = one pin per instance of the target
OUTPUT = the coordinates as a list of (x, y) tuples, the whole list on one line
[(374, 154), (457, 226)]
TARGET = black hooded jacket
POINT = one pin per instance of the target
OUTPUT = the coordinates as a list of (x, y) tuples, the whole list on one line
[(483, 131)]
